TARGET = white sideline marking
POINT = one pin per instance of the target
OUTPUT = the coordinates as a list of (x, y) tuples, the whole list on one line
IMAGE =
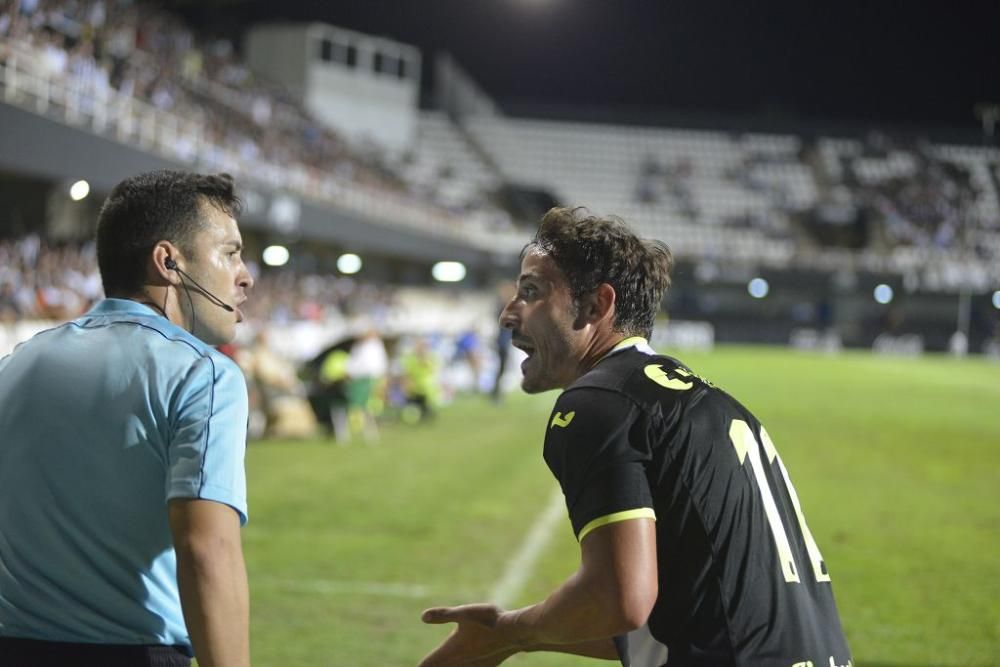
[(332, 587), (521, 565)]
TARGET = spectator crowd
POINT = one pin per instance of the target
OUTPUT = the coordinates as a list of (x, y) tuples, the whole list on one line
[(877, 192), (42, 280), (231, 119)]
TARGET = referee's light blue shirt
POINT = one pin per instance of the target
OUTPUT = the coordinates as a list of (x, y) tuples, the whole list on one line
[(102, 421)]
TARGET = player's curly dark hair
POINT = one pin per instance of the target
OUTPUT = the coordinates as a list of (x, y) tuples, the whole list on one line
[(592, 250), (148, 208)]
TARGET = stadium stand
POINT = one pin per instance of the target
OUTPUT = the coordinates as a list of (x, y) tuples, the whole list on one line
[(748, 196), (829, 213), (445, 167), (142, 77), (671, 184), (142, 74), (39, 281)]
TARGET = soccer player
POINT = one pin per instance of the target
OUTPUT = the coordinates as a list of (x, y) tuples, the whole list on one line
[(122, 486), (694, 548)]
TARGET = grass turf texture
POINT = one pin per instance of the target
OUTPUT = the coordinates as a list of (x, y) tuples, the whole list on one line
[(895, 462)]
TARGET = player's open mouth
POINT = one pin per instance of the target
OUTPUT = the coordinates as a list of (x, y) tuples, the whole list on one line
[(524, 346)]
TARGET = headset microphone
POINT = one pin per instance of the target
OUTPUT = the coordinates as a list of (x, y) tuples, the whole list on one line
[(172, 265)]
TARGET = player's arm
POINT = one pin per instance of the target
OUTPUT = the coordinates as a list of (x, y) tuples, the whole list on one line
[(212, 579), (611, 593)]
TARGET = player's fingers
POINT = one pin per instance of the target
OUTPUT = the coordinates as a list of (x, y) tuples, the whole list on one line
[(439, 615), (485, 614)]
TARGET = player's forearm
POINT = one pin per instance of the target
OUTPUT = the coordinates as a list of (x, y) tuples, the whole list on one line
[(583, 611), (215, 598), (611, 594)]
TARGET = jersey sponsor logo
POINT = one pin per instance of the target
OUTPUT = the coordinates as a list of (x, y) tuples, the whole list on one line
[(657, 374), (560, 421), (833, 663)]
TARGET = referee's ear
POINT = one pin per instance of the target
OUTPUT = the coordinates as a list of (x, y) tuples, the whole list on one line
[(599, 305)]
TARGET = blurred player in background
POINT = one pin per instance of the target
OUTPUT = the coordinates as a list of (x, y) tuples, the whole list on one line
[(367, 367), (693, 544), (122, 487), (505, 291), (421, 387)]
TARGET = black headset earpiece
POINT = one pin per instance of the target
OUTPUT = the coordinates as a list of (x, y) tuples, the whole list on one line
[(170, 264)]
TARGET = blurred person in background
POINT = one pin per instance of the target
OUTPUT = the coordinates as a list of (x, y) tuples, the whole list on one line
[(9, 310), (505, 291), (693, 543), (468, 351), (122, 485), (279, 393), (366, 368), (328, 396), (421, 386), (991, 348)]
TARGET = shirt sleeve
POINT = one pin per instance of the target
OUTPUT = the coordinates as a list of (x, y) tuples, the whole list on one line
[(589, 450), (208, 444)]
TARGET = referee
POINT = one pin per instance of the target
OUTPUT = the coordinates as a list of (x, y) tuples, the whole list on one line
[(122, 437), (694, 548)]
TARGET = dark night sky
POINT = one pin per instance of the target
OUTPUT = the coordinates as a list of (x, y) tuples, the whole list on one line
[(894, 62)]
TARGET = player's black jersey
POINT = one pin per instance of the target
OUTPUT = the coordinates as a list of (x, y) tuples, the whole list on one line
[(741, 580)]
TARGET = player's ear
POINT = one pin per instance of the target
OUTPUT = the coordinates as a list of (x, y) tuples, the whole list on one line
[(599, 304)]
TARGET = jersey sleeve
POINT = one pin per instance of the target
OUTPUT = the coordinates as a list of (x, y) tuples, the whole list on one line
[(208, 445), (601, 471)]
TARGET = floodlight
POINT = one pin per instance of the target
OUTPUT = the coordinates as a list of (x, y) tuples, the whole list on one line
[(883, 293), (275, 255), (79, 190), (758, 288), (349, 263), (448, 272)]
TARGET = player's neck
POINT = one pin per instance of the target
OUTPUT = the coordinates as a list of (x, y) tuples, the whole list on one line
[(602, 345)]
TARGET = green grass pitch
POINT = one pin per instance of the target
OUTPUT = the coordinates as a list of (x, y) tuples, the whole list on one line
[(895, 461)]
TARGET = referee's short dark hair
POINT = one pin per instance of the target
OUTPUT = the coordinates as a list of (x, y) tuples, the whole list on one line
[(592, 250), (148, 208)]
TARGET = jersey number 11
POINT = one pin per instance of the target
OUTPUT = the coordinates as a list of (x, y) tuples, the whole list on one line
[(746, 447)]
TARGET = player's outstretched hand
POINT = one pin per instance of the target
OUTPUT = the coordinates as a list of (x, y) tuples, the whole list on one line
[(477, 641)]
